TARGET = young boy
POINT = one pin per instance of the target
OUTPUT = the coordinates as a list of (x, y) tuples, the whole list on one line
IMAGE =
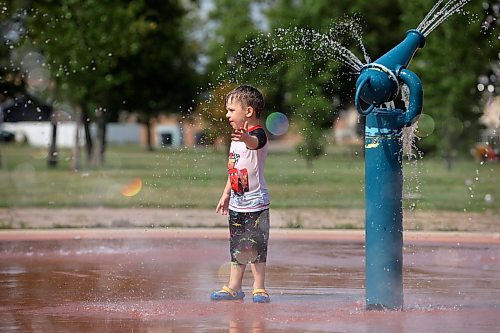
[(245, 197)]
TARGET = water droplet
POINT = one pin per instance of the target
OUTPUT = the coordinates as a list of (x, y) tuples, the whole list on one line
[(488, 198)]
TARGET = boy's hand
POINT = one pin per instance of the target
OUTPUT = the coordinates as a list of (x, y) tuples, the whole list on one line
[(223, 205), (242, 135)]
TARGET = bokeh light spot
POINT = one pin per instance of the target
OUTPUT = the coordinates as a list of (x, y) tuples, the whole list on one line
[(277, 123), (132, 188), (39, 79), (426, 125), (246, 253), (488, 198)]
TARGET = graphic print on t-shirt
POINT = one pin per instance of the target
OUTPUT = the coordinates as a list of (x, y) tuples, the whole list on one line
[(233, 160), (239, 180), (237, 177)]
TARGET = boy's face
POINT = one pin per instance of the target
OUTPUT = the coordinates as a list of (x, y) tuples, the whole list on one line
[(237, 114)]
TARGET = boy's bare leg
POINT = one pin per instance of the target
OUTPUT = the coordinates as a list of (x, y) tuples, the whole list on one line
[(236, 276), (259, 275)]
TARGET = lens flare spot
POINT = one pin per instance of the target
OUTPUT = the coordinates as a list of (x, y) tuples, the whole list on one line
[(277, 123), (132, 188), (426, 125), (246, 253)]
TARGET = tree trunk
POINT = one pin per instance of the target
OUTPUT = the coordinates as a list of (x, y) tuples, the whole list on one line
[(309, 163), (100, 144), (148, 134), (88, 135), (52, 158), (448, 160), (75, 159)]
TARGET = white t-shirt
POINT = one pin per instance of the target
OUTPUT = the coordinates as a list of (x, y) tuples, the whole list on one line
[(245, 166)]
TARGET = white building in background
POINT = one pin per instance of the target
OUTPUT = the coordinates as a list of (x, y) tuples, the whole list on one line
[(30, 121), (38, 134), (118, 133), (168, 135)]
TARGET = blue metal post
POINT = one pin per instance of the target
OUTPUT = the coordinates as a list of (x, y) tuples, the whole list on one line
[(384, 216), (379, 83)]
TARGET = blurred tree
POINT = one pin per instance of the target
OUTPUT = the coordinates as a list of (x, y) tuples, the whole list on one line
[(313, 83), (82, 42), (12, 80), (106, 56), (303, 74), (232, 28), (12, 29), (162, 71), (456, 54), (381, 24), (213, 112), (304, 79)]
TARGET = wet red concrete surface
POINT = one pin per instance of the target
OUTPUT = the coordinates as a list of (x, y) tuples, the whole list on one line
[(160, 281)]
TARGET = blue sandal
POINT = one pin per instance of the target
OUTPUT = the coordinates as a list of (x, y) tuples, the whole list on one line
[(227, 294), (261, 296)]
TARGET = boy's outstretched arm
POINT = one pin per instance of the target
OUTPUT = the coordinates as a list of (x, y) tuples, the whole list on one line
[(223, 205)]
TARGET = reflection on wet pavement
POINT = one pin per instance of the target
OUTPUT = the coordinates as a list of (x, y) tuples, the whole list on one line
[(163, 285)]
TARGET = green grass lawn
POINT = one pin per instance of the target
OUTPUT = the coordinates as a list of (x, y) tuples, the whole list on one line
[(195, 178)]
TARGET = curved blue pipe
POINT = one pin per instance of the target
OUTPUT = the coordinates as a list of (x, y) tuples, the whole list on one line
[(377, 83), (364, 81), (416, 98)]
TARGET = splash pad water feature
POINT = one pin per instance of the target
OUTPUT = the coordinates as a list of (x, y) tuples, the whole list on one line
[(378, 85)]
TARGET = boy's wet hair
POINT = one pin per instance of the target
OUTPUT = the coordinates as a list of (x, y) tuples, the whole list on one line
[(248, 95)]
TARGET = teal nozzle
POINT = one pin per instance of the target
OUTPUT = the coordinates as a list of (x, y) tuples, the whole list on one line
[(401, 54), (379, 81)]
